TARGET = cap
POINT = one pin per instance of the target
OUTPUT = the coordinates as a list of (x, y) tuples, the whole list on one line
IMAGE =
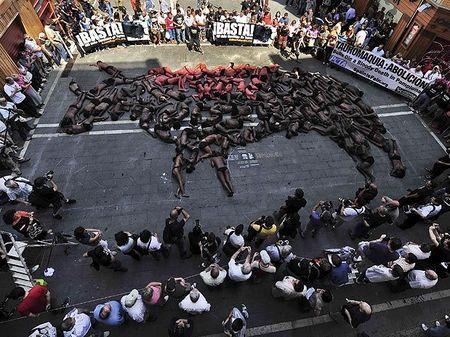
[(131, 298), (265, 258)]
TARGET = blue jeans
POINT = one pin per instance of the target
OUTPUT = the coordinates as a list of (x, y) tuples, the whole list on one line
[(180, 35), (172, 34)]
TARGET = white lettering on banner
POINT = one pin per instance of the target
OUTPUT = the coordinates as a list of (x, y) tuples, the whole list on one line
[(108, 33), (234, 31), (378, 69)]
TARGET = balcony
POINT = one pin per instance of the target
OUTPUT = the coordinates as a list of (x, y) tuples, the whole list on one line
[(440, 3)]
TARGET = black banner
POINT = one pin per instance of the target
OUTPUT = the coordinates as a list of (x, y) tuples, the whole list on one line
[(241, 33)]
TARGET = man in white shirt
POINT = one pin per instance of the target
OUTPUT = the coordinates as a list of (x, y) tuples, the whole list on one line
[(241, 18), (379, 51), (361, 37), (134, 306), (195, 303), (17, 189), (380, 273), (149, 243), (289, 288), (214, 275), (422, 279), (234, 239), (78, 324), (433, 75), (14, 92), (239, 272), (422, 252)]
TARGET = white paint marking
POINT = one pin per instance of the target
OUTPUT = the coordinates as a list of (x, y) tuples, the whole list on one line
[(312, 321), (36, 121), (99, 123), (90, 133), (379, 107), (392, 114), (436, 138)]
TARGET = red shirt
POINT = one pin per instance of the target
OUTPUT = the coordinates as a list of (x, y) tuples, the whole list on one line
[(35, 302), (267, 19), (169, 23)]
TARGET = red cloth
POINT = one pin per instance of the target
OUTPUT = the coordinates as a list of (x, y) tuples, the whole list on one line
[(35, 302), (169, 23)]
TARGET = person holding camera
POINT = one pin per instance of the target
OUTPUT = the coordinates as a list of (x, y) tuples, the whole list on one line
[(173, 233), (320, 217), (12, 116), (45, 194)]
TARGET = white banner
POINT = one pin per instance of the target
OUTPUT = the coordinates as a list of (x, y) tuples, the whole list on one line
[(108, 33), (378, 69)]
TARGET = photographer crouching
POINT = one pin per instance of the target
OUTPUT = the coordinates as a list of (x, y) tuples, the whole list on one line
[(45, 194)]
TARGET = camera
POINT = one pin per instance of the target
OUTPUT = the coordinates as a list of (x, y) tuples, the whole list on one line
[(49, 175)]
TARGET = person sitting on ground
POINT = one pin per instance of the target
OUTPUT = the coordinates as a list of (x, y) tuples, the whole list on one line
[(134, 306), (32, 302), (339, 270), (422, 251), (177, 287), (194, 303), (438, 330), (289, 288), (110, 313), (260, 229), (381, 251), (234, 240), (380, 273), (235, 325), (214, 275), (239, 272), (317, 299), (149, 243)]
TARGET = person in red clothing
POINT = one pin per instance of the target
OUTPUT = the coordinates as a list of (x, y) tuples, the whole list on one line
[(34, 301), (267, 18), (170, 27)]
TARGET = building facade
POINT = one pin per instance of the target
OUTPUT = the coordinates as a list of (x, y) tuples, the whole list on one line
[(19, 17)]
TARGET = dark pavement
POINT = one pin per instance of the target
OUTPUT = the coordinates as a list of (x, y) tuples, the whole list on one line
[(123, 182)]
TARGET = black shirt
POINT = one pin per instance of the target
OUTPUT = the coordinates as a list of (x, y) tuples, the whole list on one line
[(440, 254), (99, 259), (173, 231), (293, 204)]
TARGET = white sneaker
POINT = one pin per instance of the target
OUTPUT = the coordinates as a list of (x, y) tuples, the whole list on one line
[(437, 323), (424, 327), (446, 317), (106, 333)]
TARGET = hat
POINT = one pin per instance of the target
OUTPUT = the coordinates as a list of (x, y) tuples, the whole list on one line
[(265, 258), (131, 298), (42, 36)]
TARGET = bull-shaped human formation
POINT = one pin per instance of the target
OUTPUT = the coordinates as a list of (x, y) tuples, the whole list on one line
[(204, 112)]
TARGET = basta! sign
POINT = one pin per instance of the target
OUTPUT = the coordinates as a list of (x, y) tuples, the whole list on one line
[(378, 69), (111, 32), (233, 32)]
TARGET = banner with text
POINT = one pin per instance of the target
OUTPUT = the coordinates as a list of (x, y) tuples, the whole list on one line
[(100, 36), (378, 69), (241, 33)]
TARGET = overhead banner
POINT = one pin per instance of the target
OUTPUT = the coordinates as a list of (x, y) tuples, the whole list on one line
[(241, 33), (109, 33), (378, 69)]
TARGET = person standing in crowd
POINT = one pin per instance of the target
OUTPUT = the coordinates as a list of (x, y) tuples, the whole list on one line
[(181, 327), (134, 306), (26, 224), (79, 323), (439, 166), (126, 242), (110, 313), (170, 29), (234, 240), (174, 230), (102, 256), (261, 229), (148, 243), (438, 330), (194, 303), (356, 312), (17, 189), (14, 119), (239, 272), (214, 275), (89, 236), (194, 41), (14, 92), (179, 26), (235, 324)]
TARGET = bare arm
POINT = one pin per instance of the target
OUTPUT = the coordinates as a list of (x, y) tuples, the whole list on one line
[(434, 235)]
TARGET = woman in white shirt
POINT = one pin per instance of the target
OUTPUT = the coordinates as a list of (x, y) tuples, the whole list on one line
[(289, 288)]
